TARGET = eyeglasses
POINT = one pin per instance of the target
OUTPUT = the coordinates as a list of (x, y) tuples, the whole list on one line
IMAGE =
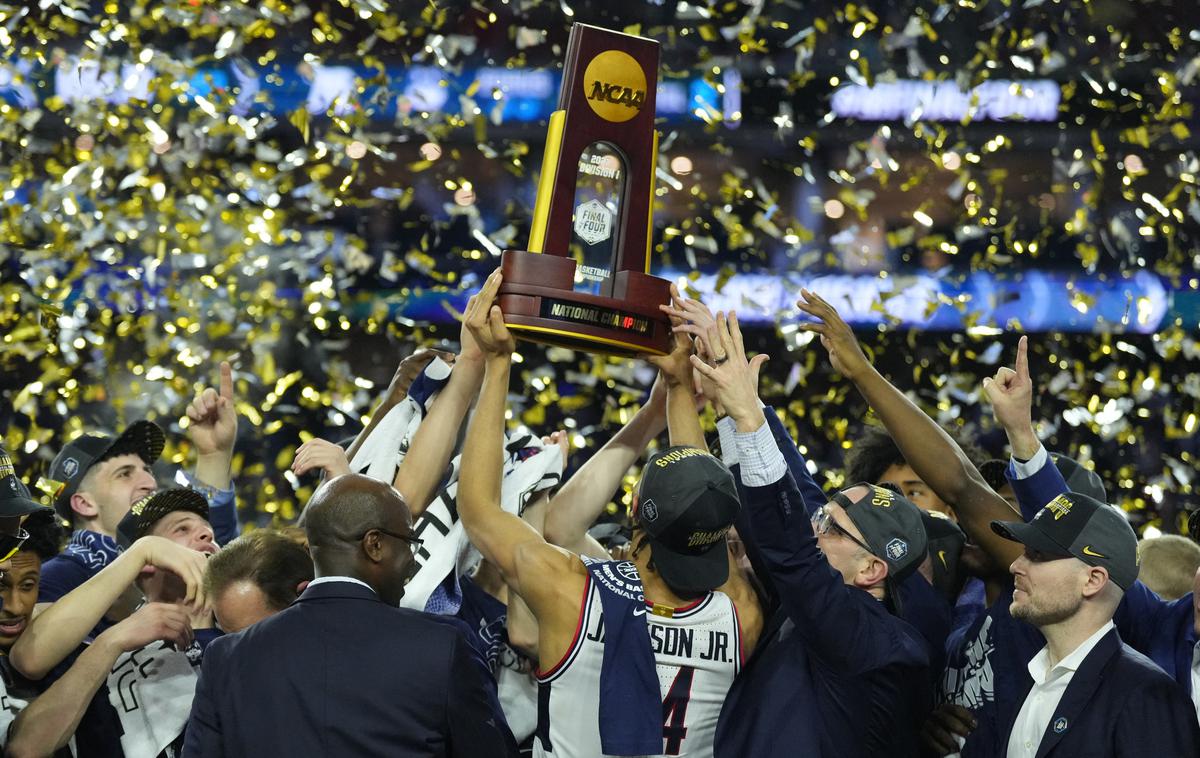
[(824, 523), (11, 543), (414, 543)]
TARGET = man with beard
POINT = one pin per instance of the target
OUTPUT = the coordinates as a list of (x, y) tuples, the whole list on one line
[(1087, 692)]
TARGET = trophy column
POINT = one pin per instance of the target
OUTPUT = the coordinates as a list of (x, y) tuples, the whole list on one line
[(584, 282)]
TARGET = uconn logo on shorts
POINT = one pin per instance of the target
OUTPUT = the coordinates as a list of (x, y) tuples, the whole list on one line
[(896, 549)]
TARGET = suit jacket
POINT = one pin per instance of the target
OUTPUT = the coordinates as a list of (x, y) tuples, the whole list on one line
[(1118, 704), (341, 673)]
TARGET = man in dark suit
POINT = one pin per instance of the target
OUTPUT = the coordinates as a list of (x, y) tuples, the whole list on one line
[(344, 671), (1086, 692)]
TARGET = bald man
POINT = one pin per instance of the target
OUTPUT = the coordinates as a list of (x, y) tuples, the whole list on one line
[(344, 671)]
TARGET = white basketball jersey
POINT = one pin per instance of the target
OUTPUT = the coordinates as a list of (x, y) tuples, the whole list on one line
[(697, 652)]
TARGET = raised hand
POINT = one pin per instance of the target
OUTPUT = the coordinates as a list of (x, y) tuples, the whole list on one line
[(704, 389), (484, 323), (320, 454), (733, 376), (410, 368), (1011, 391), (946, 726), (694, 317), (674, 367), (212, 418), (1011, 394), (845, 354), (563, 440)]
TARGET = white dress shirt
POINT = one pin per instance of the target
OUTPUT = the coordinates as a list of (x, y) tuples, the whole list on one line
[(1026, 469), (1049, 684), (327, 579), (1196, 678)]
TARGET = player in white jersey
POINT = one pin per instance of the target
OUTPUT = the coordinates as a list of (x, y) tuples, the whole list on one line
[(661, 605), (697, 653)]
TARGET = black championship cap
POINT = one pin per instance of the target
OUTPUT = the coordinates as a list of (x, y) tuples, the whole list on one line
[(142, 438), (146, 512), (1078, 477), (15, 499), (686, 503), (891, 526), (1074, 524)]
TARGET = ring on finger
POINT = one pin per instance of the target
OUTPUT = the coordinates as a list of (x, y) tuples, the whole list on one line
[(720, 360)]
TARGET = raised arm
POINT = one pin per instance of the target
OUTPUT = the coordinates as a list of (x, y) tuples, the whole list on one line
[(1035, 480), (530, 566), (675, 370), (1034, 477), (932, 453), (577, 505), (212, 425), (429, 453), (811, 494), (59, 630), (519, 621), (809, 590), (1011, 394), (814, 496), (407, 372)]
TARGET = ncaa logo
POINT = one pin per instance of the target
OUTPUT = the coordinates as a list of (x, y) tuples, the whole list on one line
[(70, 466), (1060, 725), (628, 571), (648, 511), (896, 549)]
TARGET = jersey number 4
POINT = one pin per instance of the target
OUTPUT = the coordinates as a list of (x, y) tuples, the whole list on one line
[(675, 710)]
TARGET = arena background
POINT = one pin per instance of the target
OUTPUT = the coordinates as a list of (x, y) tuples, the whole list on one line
[(311, 189)]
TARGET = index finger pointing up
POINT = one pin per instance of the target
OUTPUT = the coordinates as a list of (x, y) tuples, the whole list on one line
[(226, 380), (1022, 365)]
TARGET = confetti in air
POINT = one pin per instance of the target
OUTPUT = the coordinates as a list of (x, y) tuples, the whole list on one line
[(309, 188)]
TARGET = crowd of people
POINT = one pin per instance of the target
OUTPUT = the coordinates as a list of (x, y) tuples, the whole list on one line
[(446, 591)]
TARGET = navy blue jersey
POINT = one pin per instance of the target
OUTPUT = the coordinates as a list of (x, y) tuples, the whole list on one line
[(487, 618)]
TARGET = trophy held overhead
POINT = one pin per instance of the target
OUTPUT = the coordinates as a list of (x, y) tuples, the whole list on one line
[(584, 283)]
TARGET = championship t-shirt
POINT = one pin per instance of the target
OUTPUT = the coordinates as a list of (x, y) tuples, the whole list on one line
[(143, 706)]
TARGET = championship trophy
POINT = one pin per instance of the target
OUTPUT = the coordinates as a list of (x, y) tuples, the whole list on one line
[(584, 283)]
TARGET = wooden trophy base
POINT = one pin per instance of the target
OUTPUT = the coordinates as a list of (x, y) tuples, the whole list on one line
[(540, 304)]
